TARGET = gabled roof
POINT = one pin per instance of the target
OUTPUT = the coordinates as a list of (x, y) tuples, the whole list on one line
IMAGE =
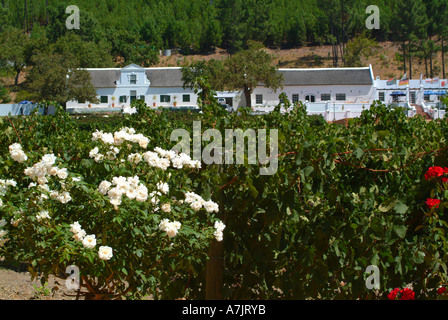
[(133, 66), (165, 77), (104, 78), (327, 76), (172, 76)]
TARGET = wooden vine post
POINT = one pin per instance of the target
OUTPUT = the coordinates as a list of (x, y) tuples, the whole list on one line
[(214, 272)]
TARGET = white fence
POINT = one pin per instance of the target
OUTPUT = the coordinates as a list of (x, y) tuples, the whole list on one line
[(336, 111), (433, 109)]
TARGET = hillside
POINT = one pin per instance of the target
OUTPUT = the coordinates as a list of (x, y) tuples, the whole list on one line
[(384, 62)]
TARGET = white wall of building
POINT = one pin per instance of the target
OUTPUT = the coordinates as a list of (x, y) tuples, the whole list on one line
[(414, 90), (150, 95), (353, 94)]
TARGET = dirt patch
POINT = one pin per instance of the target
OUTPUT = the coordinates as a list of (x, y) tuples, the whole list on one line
[(16, 284)]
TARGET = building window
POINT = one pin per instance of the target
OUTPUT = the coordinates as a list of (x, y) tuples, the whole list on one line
[(104, 99), (295, 98), (165, 98), (133, 79), (325, 97), (413, 97), (310, 98), (340, 96), (258, 99), (426, 97), (185, 98), (142, 98), (381, 96), (123, 99), (133, 95)]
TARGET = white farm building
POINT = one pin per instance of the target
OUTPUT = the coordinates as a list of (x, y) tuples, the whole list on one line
[(333, 92)]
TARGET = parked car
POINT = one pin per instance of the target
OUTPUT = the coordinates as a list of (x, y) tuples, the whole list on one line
[(227, 107), (222, 100)]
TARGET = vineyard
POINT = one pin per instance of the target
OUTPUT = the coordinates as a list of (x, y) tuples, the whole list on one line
[(109, 196)]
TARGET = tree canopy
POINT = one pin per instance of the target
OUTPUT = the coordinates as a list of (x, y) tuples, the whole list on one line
[(243, 71)]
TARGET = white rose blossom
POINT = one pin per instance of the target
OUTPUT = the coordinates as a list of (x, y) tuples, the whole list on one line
[(163, 187), (42, 215), (78, 231), (105, 253), (89, 241), (219, 226), (170, 228), (16, 152), (166, 207), (211, 206)]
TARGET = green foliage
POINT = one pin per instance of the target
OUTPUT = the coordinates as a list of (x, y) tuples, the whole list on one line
[(342, 198), (54, 77), (358, 49), (201, 25), (4, 94)]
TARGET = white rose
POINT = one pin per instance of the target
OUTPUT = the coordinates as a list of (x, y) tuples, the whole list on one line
[(135, 158), (62, 173), (163, 186), (64, 197), (79, 236), (98, 157), (107, 138), (218, 235), (219, 225), (53, 171), (163, 224), (211, 206), (141, 197), (89, 241), (93, 152), (166, 207), (42, 215), (75, 227), (105, 253), (143, 142), (171, 230), (104, 187), (15, 147), (196, 205), (49, 159)]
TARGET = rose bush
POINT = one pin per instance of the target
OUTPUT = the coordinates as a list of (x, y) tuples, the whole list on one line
[(126, 216)]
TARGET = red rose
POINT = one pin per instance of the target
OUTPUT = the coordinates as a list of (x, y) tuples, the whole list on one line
[(444, 180), (402, 294), (407, 294), (393, 294), (445, 170), (432, 203), (441, 290), (434, 172)]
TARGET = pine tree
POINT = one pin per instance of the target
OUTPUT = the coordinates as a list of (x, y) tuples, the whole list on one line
[(411, 26)]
